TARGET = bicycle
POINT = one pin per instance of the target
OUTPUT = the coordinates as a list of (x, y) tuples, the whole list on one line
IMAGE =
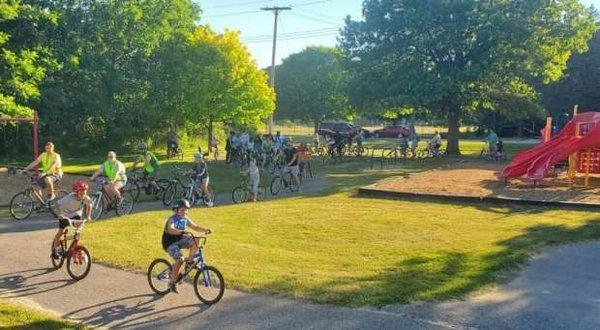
[(243, 192), (281, 181), (209, 284), (138, 181), (101, 203), (25, 202), (174, 152), (76, 255), (177, 189)]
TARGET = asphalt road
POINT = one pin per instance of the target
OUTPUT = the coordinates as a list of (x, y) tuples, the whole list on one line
[(558, 290)]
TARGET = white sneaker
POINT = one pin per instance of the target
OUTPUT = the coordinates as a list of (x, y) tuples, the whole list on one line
[(209, 204)]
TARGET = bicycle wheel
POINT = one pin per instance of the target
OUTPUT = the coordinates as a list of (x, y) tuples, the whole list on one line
[(169, 194), (239, 195), (276, 185), (97, 207), (261, 193), (134, 187), (159, 274), (79, 262), (212, 197), (159, 189), (209, 285), (21, 205), (126, 204)]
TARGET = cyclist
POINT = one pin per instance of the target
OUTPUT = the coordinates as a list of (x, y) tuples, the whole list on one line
[(402, 144), (172, 140), (174, 238), (414, 142), (254, 175), (76, 206), (291, 163), (214, 146), (229, 147), (114, 171), (149, 161), (279, 140), (201, 176), (360, 138), (492, 141), (50, 165), (435, 143)]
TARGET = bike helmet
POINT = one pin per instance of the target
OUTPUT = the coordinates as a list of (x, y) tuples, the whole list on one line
[(79, 186), (181, 203)]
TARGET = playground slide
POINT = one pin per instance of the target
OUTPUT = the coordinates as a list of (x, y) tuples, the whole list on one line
[(536, 162)]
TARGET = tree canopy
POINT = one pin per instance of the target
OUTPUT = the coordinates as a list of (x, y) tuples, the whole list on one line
[(311, 86), (456, 57)]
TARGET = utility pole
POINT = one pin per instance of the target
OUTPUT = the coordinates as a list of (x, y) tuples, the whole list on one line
[(275, 11)]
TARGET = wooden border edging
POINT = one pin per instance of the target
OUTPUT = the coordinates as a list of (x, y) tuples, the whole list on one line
[(369, 192)]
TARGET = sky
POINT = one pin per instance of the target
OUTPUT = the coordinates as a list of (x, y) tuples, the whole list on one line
[(308, 23)]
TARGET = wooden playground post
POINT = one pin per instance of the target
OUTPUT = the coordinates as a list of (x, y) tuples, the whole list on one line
[(548, 130), (574, 157), (588, 164)]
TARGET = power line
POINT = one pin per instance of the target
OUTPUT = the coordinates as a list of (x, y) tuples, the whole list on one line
[(291, 34), (315, 19), (295, 38), (237, 4), (233, 14), (310, 3)]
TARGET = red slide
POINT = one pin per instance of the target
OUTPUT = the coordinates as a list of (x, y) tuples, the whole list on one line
[(535, 163)]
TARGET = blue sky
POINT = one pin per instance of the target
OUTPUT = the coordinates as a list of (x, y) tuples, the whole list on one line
[(310, 22)]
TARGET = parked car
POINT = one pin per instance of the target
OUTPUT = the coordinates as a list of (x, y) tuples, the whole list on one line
[(391, 131), (328, 128)]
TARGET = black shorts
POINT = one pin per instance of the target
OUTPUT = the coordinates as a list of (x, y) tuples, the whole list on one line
[(64, 223)]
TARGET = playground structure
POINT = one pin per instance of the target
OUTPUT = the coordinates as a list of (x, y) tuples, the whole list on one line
[(35, 129), (578, 142)]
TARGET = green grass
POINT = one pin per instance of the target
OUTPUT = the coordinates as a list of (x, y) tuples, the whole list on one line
[(334, 247), (15, 316)]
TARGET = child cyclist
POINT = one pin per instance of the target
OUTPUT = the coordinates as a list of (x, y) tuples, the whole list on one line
[(174, 238), (75, 206)]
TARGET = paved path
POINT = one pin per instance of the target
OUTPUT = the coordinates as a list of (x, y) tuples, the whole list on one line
[(560, 289)]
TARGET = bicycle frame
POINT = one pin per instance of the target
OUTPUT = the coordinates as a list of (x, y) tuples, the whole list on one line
[(74, 240)]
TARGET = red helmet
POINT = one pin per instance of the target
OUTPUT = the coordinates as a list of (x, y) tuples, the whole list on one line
[(79, 185)]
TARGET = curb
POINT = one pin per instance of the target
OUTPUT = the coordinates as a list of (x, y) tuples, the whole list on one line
[(369, 192)]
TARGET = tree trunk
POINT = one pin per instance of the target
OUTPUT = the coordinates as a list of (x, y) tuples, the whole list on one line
[(210, 133), (453, 132)]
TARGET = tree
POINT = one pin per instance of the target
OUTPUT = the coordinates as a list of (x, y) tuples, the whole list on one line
[(455, 57), (218, 81), (24, 60), (311, 86), (579, 85)]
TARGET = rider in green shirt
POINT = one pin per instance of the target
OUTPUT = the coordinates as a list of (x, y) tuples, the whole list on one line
[(148, 159)]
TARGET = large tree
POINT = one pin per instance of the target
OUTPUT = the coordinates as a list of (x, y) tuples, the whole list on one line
[(457, 56), (311, 86), (580, 84), (24, 58), (217, 81)]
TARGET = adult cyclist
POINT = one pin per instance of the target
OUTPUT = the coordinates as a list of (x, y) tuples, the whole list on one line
[(174, 238), (172, 142), (76, 206), (201, 176), (150, 163), (50, 166), (115, 174)]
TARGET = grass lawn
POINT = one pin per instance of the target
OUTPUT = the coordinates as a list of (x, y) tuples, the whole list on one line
[(15, 316), (334, 247)]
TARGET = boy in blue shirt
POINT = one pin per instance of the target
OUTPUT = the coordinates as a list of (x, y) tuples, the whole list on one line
[(174, 238)]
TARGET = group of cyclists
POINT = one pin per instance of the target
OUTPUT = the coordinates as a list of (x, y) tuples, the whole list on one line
[(75, 208)]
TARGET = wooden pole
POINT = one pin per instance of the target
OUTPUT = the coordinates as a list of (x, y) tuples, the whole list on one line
[(35, 135), (548, 130), (588, 164)]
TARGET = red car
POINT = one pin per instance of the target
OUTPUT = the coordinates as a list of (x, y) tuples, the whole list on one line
[(391, 131)]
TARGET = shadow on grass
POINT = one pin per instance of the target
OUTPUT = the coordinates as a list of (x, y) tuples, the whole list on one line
[(443, 276)]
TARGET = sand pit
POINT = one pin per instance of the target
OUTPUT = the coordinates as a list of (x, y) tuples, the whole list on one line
[(478, 179), (10, 184)]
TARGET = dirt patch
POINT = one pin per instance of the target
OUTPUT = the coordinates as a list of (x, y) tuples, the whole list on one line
[(11, 184), (479, 180)]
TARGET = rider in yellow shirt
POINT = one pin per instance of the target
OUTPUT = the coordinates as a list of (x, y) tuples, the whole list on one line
[(50, 166)]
